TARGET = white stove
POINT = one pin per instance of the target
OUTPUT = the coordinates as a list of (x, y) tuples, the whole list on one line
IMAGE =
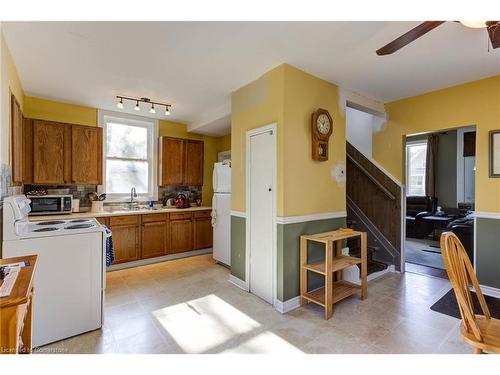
[(57, 227), (70, 274)]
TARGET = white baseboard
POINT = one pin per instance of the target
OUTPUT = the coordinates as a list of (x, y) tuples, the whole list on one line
[(143, 262), (238, 282), (288, 305), (490, 291)]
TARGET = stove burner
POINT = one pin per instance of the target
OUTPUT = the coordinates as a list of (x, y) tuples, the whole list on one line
[(79, 220), (53, 222), (47, 229), (79, 226)]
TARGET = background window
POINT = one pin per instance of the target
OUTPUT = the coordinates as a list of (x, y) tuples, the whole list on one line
[(416, 168), (129, 149)]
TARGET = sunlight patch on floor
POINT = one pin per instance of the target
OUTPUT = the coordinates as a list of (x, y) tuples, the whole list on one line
[(204, 323), (265, 342)]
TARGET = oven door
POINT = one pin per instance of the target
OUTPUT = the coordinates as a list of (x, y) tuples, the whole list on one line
[(49, 205)]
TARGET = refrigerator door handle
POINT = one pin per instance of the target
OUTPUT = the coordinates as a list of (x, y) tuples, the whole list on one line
[(214, 178), (213, 214)]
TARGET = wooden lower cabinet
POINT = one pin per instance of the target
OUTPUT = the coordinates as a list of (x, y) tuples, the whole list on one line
[(181, 236), (126, 237), (203, 233), (154, 236)]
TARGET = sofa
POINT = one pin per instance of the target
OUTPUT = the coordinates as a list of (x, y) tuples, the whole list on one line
[(464, 230), (418, 207)]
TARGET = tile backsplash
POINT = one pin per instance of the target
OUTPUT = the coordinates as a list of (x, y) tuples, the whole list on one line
[(81, 192), (192, 192), (78, 191)]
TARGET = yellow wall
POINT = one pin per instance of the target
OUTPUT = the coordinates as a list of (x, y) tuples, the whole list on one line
[(9, 83), (257, 104), (224, 143), (15, 86), (179, 130), (44, 109), (475, 103), (308, 185), (288, 97)]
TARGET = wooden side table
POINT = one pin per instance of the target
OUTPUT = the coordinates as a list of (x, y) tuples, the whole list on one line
[(16, 310), (331, 267)]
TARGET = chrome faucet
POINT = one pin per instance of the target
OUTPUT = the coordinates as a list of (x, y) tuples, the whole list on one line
[(133, 195)]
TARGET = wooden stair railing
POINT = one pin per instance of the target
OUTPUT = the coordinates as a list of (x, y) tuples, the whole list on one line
[(374, 201)]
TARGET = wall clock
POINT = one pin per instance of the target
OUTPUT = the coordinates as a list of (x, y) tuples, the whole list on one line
[(322, 127)]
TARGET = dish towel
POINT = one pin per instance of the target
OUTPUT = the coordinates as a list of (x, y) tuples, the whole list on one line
[(110, 252)]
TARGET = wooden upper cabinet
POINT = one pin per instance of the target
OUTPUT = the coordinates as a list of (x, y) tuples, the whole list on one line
[(50, 152), (16, 140), (86, 155), (171, 161), (27, 150), (180, 162), (58, 153), (193, 163)]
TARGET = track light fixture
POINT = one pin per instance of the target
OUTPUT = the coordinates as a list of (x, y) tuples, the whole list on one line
[(120, 105)]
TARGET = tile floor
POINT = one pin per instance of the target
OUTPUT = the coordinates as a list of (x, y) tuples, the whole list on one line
[(188, 306)]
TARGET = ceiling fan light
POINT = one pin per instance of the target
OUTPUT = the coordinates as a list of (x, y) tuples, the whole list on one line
[(137, 108), (474, 24), (120, 104)]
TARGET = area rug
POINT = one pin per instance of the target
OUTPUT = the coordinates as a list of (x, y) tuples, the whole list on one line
[(421, 251), (448, 305)]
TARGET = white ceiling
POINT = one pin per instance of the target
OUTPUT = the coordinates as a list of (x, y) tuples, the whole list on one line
[(196, 65)]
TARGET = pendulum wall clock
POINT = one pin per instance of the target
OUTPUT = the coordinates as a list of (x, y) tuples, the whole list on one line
[(322, 127)]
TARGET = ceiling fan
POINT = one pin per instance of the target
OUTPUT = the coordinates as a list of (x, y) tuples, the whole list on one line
[(493, 28)]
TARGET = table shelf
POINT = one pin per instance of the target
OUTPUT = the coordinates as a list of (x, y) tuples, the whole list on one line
[(338, 263), (331, 267), (341, 289)]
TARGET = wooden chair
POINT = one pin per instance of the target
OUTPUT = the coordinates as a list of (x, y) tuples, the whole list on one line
[(480, 331)]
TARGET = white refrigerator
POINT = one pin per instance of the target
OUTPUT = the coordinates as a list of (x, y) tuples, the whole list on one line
[(221, 213)]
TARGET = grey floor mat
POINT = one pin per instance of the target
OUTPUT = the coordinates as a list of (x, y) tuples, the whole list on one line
[(420, 252)]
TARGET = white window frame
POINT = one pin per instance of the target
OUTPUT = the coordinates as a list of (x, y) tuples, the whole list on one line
[(422, 142), (152, 126)]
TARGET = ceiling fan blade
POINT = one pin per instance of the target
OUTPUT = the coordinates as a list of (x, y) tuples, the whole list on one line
[(494, 32), (408, 37)]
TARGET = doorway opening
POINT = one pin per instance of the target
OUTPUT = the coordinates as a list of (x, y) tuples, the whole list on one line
[(440, 195)]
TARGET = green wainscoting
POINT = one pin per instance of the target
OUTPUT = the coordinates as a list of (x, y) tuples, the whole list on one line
[(238, 244), (289, 254), (488, 251)]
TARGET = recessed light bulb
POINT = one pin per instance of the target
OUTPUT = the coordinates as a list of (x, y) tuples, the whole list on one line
[(137, 108), (120, 104), (152, 110), (167, 111)]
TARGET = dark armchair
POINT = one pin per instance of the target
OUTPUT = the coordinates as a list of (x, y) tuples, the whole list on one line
[(417, 208), (464, 229)]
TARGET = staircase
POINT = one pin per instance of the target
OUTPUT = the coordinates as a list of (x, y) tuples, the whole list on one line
[(373, 206)]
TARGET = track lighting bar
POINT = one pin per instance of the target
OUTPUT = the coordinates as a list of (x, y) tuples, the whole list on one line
[(168, 107)]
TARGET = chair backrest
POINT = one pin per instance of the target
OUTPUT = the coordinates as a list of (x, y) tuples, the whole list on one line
[(461, 275)]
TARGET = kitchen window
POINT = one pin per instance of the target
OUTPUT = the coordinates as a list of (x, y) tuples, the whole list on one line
[(129, 149), (416, 155)]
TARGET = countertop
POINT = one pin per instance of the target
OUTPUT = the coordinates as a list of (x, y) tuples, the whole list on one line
[(117, 212)]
